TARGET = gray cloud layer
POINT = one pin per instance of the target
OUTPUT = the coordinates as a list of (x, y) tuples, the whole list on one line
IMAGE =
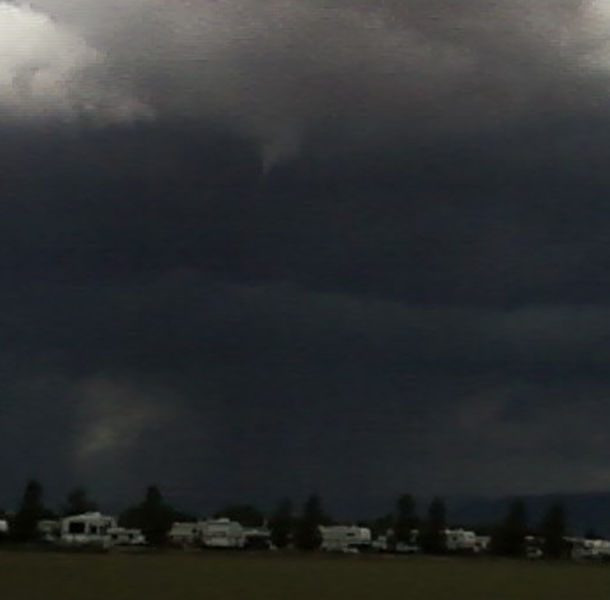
[(379, 391), (278, 69)]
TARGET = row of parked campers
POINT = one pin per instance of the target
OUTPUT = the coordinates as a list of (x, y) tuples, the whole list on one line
[(219, 533), (89, 529), (343, 538), (224, 533), (456, 540), (581, 548)]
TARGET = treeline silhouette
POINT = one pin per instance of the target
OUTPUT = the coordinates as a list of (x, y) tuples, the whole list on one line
[(154, 517)]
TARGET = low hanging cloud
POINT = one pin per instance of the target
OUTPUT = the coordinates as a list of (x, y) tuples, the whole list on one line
[(278, 70)]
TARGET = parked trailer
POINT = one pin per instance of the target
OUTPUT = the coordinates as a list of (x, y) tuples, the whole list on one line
[(257, 538), (410, 546), (49, 530), (388, 543), (222, 533), (345, 538), (533, 547), (185, 533), (482, 544), (219, 533), (460, 540), (122, 536), (87, 529), (589, 549)]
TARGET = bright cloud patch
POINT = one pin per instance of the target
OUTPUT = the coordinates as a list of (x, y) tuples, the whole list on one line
[(47, 70), (113, 417)]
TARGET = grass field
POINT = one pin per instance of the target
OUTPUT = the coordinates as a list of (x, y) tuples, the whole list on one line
[(50, 576)]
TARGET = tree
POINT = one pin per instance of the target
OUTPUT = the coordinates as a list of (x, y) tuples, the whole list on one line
[(591, 534), (553, 529), (382, 524), (153, 516), (78, 503), (308, 535), (245, 514), (405, 521), (509, 538), (31, 510), (433, 538), (281, 524)]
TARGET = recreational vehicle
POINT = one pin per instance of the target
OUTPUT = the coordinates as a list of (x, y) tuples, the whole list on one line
[(222, 533), (49, 530), (482, 544), (87, 529), (388, 543), (345, 538), (583, 549), (121, 536), (257, 538), (460, 540), (533, 547), (185, 533)]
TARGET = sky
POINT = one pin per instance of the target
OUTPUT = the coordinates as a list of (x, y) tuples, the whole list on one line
[(260, 248)]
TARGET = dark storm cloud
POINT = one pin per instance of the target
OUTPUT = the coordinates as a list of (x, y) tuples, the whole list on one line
[(374, 390), (424, 275)]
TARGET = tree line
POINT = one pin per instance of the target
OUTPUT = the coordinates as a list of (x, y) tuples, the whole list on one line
[(154, 517)]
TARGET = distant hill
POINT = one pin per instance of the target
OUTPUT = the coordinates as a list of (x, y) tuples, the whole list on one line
[(584, 511)]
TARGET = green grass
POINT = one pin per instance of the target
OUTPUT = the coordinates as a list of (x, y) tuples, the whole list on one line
[(47, 576)]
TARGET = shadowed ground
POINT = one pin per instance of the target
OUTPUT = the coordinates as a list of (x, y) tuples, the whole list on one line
[(46, 576)]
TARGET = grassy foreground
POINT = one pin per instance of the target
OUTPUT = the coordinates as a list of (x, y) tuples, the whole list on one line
[(50, 576)]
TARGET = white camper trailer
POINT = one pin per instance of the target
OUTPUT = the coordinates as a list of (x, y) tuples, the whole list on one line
[(410, 546), (533, 547), (581, 548), (460, 540), (49, 530), (3, 528), (257, 538), (185, 533), (87, 529), (388, 543), (222, 533), (121, 536), (482, 544), (345, 538)]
